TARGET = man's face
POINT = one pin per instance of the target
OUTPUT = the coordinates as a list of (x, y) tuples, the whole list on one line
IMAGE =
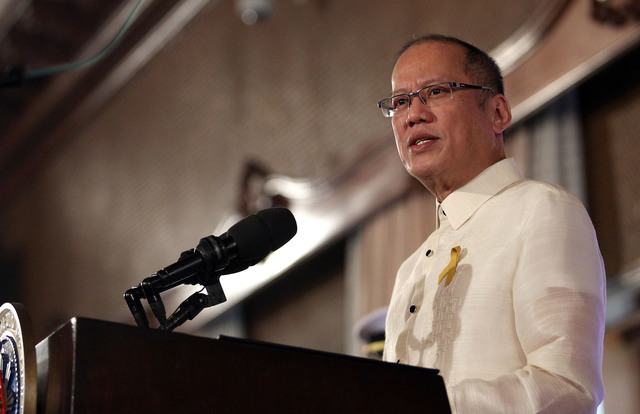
[(444, 146)]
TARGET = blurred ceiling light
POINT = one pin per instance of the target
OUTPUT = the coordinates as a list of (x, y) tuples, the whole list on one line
[(253, 11)]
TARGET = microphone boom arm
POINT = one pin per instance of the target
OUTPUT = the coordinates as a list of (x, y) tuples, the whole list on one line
[(193, 305), (195, 266)]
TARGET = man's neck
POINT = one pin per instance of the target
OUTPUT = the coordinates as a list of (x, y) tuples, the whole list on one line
[(441, 187)]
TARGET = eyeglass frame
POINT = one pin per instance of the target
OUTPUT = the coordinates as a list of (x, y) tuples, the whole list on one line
[(410, 95)]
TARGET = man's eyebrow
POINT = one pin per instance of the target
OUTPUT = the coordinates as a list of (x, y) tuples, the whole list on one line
[(398, 92), (429, 82)]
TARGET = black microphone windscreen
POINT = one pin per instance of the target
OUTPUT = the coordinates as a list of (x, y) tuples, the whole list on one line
[(262, 233)]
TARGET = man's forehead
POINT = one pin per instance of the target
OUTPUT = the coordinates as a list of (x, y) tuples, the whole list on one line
[(432, 52), (428, 63)]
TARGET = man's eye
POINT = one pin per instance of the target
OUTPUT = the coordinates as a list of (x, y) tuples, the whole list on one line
[(435, 92), (399, 101)]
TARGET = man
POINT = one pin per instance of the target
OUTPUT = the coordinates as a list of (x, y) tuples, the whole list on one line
[(506, 298)]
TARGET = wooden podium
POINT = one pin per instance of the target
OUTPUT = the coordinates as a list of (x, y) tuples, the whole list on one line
[(90, 366)]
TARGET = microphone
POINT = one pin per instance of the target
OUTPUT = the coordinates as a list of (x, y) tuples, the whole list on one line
[(245, 244)]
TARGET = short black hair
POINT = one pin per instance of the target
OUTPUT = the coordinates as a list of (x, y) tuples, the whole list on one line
[(478, 65)]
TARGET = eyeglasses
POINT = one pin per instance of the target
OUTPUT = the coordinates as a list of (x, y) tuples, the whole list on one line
[(432, 95)]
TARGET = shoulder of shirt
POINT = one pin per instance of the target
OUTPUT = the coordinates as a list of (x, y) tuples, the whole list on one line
[(539, 190), (537, 200), (503, 184)]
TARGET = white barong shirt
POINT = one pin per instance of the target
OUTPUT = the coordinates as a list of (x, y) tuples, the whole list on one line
[(519, 326)]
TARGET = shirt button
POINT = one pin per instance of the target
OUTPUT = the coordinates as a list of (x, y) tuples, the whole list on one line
[(412, 309), (429, 252)]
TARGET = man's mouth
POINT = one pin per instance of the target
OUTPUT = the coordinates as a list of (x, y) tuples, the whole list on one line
[(422, 140)]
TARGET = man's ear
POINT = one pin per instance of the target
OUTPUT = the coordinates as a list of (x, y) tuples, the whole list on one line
[(501, 113)]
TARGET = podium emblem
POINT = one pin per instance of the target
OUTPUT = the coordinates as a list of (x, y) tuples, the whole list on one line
[(17, 350)]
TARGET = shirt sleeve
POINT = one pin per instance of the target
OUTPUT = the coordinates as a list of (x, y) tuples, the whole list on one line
[(559, 300)]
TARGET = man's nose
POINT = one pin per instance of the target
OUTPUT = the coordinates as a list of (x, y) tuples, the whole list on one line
[(418, 111)]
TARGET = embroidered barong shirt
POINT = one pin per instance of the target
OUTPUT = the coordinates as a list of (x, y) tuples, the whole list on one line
[(519, 326)]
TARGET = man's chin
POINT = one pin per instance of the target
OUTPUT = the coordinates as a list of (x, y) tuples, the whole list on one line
[(421, 171)]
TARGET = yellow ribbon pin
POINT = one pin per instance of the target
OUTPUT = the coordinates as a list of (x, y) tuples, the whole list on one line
[(450, 270)]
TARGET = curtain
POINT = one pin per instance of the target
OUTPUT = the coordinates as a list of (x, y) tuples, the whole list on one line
[(555, 146)]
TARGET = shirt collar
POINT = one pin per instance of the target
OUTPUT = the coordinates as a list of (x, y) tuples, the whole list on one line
[(463, 202)]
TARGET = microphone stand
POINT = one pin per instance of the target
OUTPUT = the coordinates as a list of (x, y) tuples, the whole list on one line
[(209, 252), (187, 310), (192, 306)]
